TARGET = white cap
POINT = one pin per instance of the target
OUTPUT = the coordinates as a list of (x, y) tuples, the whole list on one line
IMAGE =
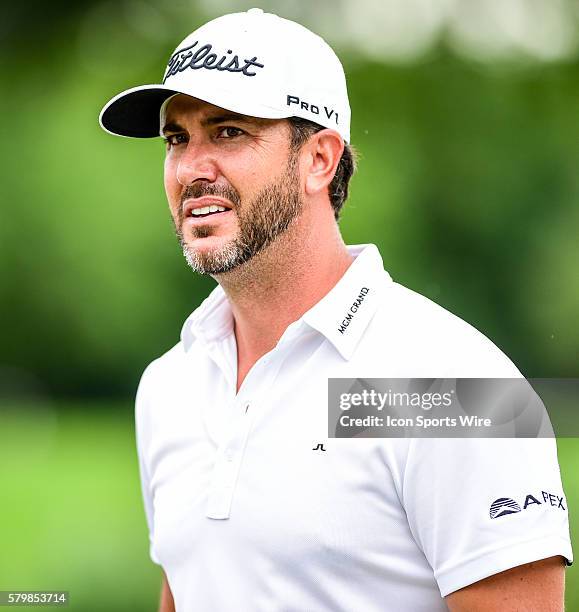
[(252, 63)]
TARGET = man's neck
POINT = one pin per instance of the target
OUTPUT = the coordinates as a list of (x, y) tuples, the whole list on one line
[(280, 284)]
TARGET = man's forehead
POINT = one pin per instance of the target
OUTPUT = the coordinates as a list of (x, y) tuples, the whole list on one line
[(182, 107), (184, 104)]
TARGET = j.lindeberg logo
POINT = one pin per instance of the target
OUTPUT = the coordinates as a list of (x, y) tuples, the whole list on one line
[(353, 309), (203, 58)]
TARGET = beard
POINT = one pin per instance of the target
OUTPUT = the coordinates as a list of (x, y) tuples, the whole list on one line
[(261, 221)]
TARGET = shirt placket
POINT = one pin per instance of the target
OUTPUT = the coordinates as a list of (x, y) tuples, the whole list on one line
[(229, 455), (228, 462)]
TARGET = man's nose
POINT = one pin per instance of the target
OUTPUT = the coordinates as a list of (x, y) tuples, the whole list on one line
[(196, 163)]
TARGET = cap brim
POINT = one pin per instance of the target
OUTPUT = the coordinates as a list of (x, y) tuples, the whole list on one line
[(135, 112)]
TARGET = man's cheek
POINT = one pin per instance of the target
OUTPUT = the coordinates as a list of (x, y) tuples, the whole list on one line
[(174, 205), (177, 215), (173, 193), (170, 180)]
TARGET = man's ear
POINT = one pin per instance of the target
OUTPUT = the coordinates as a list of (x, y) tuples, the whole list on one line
[(323, 152)]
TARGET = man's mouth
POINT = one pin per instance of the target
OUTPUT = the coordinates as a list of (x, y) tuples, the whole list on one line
[(205, 207), (206, 211)]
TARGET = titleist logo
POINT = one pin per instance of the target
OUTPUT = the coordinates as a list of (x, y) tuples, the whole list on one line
[(202, 57)]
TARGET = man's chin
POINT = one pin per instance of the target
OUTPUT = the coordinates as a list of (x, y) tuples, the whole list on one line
[(207, 246), (206, 259)]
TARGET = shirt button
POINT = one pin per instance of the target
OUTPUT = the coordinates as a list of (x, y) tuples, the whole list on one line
[(246, 406)]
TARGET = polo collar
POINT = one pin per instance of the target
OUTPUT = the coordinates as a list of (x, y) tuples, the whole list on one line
[(342, 315), (211, 321)]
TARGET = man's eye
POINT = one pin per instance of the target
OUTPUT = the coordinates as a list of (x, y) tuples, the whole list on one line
[(175, 139), (229, 132)]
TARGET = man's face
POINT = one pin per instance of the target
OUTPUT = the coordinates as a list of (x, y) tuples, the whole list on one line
[(231, 181)]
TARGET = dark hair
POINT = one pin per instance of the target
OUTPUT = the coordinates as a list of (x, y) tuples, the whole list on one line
[(301, 130)]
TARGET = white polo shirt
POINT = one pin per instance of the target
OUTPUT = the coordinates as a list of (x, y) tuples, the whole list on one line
[(247, 513)]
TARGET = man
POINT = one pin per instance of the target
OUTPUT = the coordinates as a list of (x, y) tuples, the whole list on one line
[(249, 506)]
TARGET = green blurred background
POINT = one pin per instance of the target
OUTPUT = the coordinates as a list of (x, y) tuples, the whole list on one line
[(466, 119)]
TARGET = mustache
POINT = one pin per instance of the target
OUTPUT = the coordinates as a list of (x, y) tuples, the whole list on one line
[(198, 190)]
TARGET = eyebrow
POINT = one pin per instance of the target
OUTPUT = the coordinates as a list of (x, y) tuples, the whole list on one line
[(173, 127)]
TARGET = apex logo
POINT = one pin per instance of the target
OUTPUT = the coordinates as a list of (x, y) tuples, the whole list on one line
[(506, 505), (502, 506)]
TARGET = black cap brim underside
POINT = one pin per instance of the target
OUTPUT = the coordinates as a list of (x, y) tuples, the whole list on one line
[(136, 114)]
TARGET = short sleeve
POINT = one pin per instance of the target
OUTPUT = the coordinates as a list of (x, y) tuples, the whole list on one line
[(142, 435), (480, 506)]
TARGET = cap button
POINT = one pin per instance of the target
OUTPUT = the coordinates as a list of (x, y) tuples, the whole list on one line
[(255, 11)]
